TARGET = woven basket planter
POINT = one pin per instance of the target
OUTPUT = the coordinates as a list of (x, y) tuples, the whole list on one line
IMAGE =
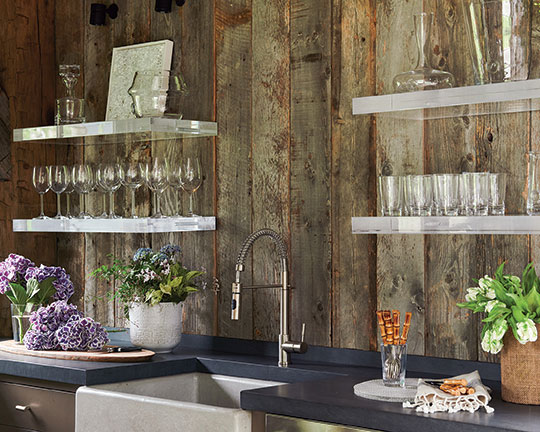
[(519, 370)]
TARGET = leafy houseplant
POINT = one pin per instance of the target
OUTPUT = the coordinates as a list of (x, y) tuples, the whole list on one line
[(152, 287), (509, 303), (27, 287)]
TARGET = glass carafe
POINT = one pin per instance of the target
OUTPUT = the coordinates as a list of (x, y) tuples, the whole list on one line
[(423, 77)]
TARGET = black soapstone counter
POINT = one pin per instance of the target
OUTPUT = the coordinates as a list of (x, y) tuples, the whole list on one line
[(320, 383)]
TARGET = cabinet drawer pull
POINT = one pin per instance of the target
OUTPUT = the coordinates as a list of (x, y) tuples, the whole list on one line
[(22, 407)]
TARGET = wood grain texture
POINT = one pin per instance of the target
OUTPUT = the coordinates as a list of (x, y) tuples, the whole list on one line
[(353, 176), (27, 70), (271, 152), (311, 251), (233, 155), (5, 137), (449, 146), (400, 259)]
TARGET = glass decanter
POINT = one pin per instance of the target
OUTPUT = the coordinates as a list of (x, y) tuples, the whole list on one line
[(69, 109), (423, 77)]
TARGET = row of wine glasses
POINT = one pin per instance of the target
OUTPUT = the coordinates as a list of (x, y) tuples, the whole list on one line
[(107, 178)]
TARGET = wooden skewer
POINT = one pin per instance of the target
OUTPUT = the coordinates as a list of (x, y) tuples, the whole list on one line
[(395, 322), (406, 327), (381, 326)]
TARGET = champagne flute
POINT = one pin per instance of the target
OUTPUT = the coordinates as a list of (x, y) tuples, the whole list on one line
[(156, 179), (191, 179), (41, 179), (59, 182), (132, 177), (83, 182), (174, 177)]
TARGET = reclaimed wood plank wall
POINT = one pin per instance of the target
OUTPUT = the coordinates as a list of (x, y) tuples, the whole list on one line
[(279, 77)]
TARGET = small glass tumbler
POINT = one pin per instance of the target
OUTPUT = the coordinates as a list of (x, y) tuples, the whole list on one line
[(446, 194), (390, 195), (394, 364), (533, 184), (20, 319), (69, 110), (476, 193), (420, 195), (497, 193)]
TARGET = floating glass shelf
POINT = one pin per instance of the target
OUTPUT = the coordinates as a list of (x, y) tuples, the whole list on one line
[(508, 97), (447, 225), (143, 129), (141, 225)]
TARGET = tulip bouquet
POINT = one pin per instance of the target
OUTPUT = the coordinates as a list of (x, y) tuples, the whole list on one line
[(508, 302)]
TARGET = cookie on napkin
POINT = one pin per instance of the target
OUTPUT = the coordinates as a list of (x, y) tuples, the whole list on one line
[(431, 399)]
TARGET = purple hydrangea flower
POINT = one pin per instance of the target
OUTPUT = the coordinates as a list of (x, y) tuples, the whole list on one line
[(51, 318), (63, 284), (81, 334), (13, 269), (36, 340)]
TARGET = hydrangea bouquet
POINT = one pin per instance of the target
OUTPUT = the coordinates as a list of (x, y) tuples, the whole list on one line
[(151, 277), (26, 286), (508, 303)]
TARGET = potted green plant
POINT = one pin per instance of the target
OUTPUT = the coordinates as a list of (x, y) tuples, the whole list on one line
[(152, 287), (28, 287), (511, 308)]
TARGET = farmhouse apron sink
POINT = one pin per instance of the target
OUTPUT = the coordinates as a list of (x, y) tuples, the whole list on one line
[(187, 402)]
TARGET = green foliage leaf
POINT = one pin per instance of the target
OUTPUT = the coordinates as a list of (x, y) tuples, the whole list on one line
[(46, 291), (519, 301), (518, 314), (19, 293), (533, 299), (165, 288)]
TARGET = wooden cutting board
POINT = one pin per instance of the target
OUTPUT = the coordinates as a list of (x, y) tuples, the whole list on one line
[(12, 347)]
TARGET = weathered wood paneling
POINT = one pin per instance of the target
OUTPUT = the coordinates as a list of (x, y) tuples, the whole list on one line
[(27, 69), (400, 259), (311, 252), (353, 175), (271, 145), (234, 159)]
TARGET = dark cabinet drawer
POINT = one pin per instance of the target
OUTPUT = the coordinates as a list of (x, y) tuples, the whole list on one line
[(49, 410)]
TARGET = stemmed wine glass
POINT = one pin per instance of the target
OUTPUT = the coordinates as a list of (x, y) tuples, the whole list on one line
[(69, 190), (191, 178), (59, 182), (41, 176), (174, 177), (156, 179), (132, 177), (108, 176), (83, 182)]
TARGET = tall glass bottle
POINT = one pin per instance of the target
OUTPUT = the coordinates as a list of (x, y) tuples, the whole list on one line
[(423, 77)]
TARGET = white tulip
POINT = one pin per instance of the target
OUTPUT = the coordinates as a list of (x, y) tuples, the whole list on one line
[(526, 331)]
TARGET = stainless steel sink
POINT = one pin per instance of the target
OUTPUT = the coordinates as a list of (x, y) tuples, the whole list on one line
[(187, 402)]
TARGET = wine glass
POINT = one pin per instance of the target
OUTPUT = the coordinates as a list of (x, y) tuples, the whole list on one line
[(108, 176), (59, 181), (41, 179), (83, 182), (132, 177), (69, 190), (191, 179), (100, 188), (174, 177), (156, 179)]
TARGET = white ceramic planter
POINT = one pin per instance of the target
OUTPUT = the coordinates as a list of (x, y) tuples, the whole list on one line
[(157, 328)]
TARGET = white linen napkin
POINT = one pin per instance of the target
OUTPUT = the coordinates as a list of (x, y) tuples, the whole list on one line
[(431, 399)]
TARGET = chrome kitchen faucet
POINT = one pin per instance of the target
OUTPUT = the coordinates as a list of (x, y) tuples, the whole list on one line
[(286, 345)]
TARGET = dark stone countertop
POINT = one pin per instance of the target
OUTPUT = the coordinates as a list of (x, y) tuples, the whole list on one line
[(319, 387)]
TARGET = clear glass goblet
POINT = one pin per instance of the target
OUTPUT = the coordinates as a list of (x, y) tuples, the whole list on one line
[(108, 176), (59, 182), (132, 177), (83, 182), (175, 181), (191, 179), (41, 179), (156, 179)]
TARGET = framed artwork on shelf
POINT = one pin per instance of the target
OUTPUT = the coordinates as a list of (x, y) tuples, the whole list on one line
[(125, 62)]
